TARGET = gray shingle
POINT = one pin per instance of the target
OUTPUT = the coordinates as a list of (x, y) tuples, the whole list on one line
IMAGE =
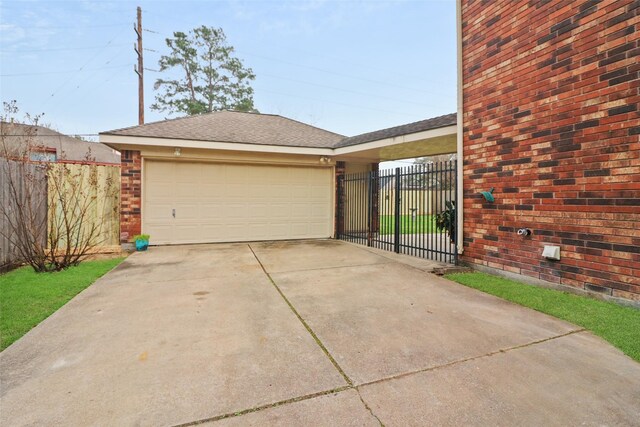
[(67, 148), (236, 127), (422, 125), (267, 129)]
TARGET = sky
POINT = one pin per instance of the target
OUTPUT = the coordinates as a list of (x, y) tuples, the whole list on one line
[(346, 66)]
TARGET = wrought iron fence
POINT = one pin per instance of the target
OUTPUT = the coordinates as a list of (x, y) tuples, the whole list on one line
[(398, 210)]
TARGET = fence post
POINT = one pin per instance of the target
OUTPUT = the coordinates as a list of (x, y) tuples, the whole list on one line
[(369, 207), (396, 230), (340, 207), (454, 171)]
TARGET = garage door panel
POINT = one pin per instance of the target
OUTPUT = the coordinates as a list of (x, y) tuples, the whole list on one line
[(160, 190), (187, 190), (279, 211), (221, 202), (301, 211), (162, 233), (186, 210), (319, 210), (158, 212)]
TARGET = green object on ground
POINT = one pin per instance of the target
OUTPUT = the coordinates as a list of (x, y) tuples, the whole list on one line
[(27, 297), (408, 225), (617, 324)]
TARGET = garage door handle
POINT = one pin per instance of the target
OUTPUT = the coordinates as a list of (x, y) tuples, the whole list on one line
[(173, 212)]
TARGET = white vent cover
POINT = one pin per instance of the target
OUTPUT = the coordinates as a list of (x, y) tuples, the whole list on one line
[(551, 252)]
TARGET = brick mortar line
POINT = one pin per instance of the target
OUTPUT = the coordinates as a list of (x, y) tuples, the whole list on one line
[(304, 323), (468, 359)]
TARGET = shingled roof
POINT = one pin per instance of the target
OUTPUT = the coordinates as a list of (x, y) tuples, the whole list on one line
[(421, 126), (237, 127), (267, 129), (67, 148)]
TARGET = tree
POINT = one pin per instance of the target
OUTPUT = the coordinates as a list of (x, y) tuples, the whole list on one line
[(435, 159), (51, 214), (442, 176), (211, 77)]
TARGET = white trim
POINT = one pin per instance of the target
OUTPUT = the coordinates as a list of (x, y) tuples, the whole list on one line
[(120, 142), (459, 134), (402, 139)]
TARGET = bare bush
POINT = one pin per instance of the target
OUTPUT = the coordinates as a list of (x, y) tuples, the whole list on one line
[(55, 211)]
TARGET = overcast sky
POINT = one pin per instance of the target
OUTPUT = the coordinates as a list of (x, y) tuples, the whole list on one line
[(345, 66)]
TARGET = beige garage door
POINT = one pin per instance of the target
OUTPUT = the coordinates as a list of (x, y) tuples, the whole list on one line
[(188, 202)]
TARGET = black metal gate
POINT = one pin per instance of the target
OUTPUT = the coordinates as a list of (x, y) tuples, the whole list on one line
[(410, 210)]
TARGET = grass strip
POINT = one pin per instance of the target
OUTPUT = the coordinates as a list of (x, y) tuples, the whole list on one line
[(27, 297), (616, 324)]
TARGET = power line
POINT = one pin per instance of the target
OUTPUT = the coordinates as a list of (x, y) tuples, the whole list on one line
[(84, 65), (348, 90), (343, 104), (67, 27), (89, 76), (57, 49), (63, 72), (380, 82), (360, 65)]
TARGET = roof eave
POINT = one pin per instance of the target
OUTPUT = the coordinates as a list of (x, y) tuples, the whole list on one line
[(400, 139), (378, 150), (121, 142)]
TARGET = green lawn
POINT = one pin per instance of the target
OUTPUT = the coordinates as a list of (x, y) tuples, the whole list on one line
[(421, 224), (27, 298), (617, 324)]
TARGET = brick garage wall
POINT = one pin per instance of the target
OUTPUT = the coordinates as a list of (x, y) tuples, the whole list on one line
[(551, 92), (130, 195)]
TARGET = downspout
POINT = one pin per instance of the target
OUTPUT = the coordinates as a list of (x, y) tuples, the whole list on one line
[(459, 134)]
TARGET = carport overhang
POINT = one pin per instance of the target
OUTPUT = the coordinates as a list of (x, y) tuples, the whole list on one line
[(430, 142)]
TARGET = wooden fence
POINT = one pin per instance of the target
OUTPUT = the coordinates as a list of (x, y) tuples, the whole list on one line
[(9, 214), (104, 211)]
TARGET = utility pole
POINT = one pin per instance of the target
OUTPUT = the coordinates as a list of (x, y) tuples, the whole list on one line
[(140, 68)]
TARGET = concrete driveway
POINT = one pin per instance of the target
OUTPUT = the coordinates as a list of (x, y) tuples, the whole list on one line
[(305, 333)]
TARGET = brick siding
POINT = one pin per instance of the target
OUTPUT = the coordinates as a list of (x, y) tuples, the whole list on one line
[(130, 195), (551, 95)]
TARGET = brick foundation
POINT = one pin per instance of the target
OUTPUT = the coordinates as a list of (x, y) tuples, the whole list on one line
[(551, 92), (130, 195)]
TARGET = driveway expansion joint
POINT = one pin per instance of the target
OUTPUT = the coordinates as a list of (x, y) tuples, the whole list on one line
[(468, 359), (336, 267), (263, 407), (333, 361)]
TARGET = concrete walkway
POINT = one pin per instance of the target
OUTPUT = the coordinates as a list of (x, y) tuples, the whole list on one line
[(306, 333)]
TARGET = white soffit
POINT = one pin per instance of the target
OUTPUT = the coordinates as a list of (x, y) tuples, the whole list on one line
[(121, 142)]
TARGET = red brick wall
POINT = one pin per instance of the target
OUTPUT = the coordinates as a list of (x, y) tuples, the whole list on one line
[(551, 120), (130, 195)]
